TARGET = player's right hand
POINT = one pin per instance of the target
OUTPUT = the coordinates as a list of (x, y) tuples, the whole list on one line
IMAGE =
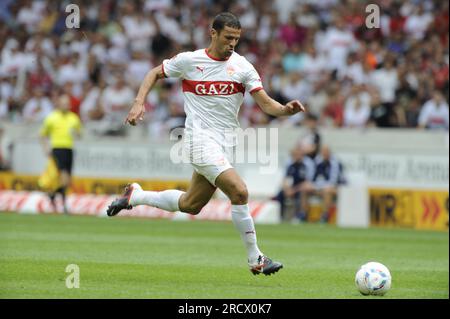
[(136, 113), (294, 107)]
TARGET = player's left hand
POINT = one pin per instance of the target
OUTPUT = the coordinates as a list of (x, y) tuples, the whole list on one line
[(294, 107)]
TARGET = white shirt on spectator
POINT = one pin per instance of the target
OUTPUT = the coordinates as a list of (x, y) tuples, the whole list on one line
[(264, 31), (151, 5), (30, 17), (171, 28), (139, 31), (355, 72), (355, 116), (89, 103), (313, 66), (13, 62), (100, 52), (297, 90), (387, 82), (338, 43), (113, 97), (72, 73), (136, 71), (36, 109), (118, 55), (284, 9), (416, 25), (80, 46), (434, 116)]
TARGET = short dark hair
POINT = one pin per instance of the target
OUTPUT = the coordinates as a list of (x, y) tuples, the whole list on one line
[(225, 19)]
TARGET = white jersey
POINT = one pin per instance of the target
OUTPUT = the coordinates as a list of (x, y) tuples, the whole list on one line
[(213, 90)]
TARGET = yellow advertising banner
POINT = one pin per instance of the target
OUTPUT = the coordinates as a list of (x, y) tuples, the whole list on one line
[(419, 209), (89, 185)]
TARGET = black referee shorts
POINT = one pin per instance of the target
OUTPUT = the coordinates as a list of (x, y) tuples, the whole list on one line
[(63, 158)]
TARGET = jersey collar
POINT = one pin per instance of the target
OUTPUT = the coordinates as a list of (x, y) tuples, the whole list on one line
[(213, 58)]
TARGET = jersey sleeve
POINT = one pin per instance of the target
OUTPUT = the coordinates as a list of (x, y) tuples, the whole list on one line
[(253, 81), (176, 66)]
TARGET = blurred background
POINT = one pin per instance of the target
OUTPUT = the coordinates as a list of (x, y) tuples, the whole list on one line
[(376, 97)]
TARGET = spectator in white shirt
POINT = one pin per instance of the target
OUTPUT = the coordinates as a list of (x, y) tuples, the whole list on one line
[(73, 69), (38, 107), (338, 43), (434, 113), (417, 24), (138, 68), (90, 107), (139, 29), (116, 100), (30, 15), (386, 80), (357, 108), (314, 64)]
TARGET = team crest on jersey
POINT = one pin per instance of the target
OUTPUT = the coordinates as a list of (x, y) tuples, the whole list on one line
[(230, 70)]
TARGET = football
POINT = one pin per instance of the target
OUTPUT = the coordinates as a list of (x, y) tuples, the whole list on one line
[(373, 278)]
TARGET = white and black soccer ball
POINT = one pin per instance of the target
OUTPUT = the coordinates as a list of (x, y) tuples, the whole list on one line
[(373, 278)]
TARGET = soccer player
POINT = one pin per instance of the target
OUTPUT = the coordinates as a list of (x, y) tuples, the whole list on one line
[(214, 81), (61, 126)]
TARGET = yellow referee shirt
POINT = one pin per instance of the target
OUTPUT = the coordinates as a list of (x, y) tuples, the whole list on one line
[(60, 127)]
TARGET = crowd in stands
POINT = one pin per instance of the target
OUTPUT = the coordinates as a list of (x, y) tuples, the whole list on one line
[(320, 52)]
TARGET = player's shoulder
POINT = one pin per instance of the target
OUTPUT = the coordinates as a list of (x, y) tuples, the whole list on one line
[(241, 60)]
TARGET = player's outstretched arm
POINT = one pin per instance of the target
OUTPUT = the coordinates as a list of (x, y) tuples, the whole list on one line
[(138, 109), (274, 108)]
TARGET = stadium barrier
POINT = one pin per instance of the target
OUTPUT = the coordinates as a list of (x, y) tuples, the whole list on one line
[(23, 202), (89, 185), (357, 206)]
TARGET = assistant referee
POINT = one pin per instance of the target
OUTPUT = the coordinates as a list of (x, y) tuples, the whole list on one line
[(60, 127)]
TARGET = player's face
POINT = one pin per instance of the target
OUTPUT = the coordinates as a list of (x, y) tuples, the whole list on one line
[(64, 103), (226, 40)]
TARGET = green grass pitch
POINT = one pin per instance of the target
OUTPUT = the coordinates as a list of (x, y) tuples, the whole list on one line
[(142, 258)]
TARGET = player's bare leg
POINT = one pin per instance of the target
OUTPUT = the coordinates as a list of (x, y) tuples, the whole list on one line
[(198, 195), (236, 190)]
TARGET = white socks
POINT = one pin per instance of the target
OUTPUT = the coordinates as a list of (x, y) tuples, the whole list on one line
[(240, 214), (243, 221), (166, 200)]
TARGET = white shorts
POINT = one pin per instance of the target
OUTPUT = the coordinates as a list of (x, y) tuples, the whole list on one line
[(208, 157)]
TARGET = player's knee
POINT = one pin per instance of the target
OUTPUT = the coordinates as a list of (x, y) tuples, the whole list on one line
[(195, 210), (191, 208), (240, 196)]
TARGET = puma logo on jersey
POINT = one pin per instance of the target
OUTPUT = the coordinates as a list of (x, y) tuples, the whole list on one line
[(200, 68), (213, 87)]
